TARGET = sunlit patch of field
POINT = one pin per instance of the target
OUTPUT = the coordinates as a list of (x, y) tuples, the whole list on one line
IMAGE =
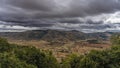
[(61, 50)]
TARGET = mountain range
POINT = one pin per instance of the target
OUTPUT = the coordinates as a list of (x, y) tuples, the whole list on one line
[(56, 35)]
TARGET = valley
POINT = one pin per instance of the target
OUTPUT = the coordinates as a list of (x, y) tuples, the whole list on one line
[(61, 44)]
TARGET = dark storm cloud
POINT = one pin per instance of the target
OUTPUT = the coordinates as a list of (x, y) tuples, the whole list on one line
[(92, 7), (57, 14), (57, 8), (32, 5)]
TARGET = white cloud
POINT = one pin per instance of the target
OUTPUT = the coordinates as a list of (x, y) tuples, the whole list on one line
[(114, 18)]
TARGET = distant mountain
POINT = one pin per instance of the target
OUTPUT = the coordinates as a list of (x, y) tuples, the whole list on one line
[(55, 35)]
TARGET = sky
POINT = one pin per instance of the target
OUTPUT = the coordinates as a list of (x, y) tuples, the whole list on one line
[(82, 15)]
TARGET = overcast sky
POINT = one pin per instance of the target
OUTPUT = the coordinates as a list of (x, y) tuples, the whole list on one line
[(81, 15)]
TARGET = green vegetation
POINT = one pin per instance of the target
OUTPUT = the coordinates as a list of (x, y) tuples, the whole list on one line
[(8, 60), (95, 59), (93, 41), (14, 56), (115, 39), (109, 58)]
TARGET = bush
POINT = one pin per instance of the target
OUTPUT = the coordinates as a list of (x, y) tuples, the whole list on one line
[(34, 56), (4, 45), (96, 59), (10, 61), (78, 62)]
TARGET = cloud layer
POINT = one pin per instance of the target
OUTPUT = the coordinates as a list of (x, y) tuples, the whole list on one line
[(82, 15), (58, 8)]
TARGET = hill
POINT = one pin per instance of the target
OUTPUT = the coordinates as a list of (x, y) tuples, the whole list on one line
[(55, 35)]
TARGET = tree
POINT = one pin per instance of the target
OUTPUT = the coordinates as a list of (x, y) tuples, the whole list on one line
[(14, 56), (4, 45), (10, 61), (95, 59), (39, 58)]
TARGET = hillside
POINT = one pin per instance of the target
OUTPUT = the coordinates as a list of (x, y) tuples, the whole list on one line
[(55, 35)]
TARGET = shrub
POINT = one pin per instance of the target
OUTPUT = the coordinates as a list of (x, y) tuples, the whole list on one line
[(10, 61), (4, 45), (34, 56), (96, 59)]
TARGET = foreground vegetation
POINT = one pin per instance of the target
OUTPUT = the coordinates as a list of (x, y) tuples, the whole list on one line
[(14, 56)]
